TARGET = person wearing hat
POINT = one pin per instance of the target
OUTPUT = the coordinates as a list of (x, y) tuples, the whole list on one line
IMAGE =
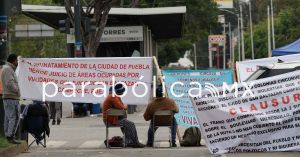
[(113, 101), (160, 103)]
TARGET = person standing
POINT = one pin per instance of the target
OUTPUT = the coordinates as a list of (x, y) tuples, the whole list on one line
[(160, 103), (55, 108), (10, 96)]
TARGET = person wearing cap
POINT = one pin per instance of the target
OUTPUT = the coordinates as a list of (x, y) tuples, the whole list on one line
[(160, 103), (113, 101), (11, 97)]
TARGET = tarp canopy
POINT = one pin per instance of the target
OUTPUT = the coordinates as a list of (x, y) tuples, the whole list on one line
[(293, 48)]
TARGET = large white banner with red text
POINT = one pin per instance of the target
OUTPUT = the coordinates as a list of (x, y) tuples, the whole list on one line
[(85, 79), (246, 68), (258, 116)]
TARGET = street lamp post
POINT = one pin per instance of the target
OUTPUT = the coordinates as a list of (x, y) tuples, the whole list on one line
[(242, 32), (238, 32), (251, 30), (272, 19)]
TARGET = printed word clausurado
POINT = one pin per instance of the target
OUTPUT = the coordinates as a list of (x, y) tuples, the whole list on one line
[(266, 105)]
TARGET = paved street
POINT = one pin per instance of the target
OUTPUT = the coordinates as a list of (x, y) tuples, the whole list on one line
[(84, 137)]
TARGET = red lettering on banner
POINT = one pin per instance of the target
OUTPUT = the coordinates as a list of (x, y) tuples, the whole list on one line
[(296, 97), (286, 100)]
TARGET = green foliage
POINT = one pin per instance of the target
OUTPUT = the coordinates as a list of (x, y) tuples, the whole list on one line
[(201, 16), (36, 46), (37, 2), (286, 25), (3, 142)]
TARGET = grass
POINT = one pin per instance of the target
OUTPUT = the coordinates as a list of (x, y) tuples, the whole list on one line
[(3, 142)]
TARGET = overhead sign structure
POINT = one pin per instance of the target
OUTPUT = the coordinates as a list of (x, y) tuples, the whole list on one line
[(116, 34), (33, 30), (85, 80), (224, 3), (260, 116)]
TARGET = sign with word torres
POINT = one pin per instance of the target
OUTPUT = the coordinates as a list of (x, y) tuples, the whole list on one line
[(85, 79), (116, 34), (224, 3), (179, 82), (259, 116)]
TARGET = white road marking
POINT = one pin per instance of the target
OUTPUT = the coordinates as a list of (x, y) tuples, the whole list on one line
[(55, 144), (91, 144)]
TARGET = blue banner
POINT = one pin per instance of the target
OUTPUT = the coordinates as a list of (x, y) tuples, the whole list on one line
[(180, 82)]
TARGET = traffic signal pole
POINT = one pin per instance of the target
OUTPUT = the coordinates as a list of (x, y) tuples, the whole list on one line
[(78, 40)]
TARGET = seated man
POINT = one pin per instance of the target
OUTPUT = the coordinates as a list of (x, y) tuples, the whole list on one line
[(115, 102), (160, 103)]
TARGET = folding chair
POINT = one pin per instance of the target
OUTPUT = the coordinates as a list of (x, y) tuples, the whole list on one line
[(115, 112), (35, 120), (35, 129), (167, 115)]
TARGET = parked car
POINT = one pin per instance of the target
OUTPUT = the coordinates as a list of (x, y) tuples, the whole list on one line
[(273, 70)]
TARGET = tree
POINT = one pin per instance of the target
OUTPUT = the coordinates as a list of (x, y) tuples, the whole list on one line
[(201, 17), (286, 29), (101, 8)]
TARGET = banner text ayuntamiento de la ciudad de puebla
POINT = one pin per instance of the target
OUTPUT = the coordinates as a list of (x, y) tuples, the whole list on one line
[(269, 121), (33, 72), (186, 116)]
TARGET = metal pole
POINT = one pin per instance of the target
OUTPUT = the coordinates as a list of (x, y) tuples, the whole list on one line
[(122, 4), (239, 38), (242, 33), (224, 48), (251, 30), (78, 40), (210, 56), (195, 58), (230, 41), (269, 34), (233, 52), (273, 31)]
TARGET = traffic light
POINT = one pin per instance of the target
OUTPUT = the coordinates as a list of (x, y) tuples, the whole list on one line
[(64, 26), (90, 25)]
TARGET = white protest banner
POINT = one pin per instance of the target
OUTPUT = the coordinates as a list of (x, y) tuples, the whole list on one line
[(85, 79), (268, 120), (246, 68)]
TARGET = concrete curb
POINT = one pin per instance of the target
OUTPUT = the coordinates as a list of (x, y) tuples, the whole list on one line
[(13, 150)]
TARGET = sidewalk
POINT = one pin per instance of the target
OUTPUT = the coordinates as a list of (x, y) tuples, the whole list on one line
[(89, 133), (13, 150)]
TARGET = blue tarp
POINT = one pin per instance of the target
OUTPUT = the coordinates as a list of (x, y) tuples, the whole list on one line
[(293, 48)]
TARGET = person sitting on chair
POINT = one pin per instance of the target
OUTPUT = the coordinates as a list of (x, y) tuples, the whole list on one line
[(113, 101), (160, 103)]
